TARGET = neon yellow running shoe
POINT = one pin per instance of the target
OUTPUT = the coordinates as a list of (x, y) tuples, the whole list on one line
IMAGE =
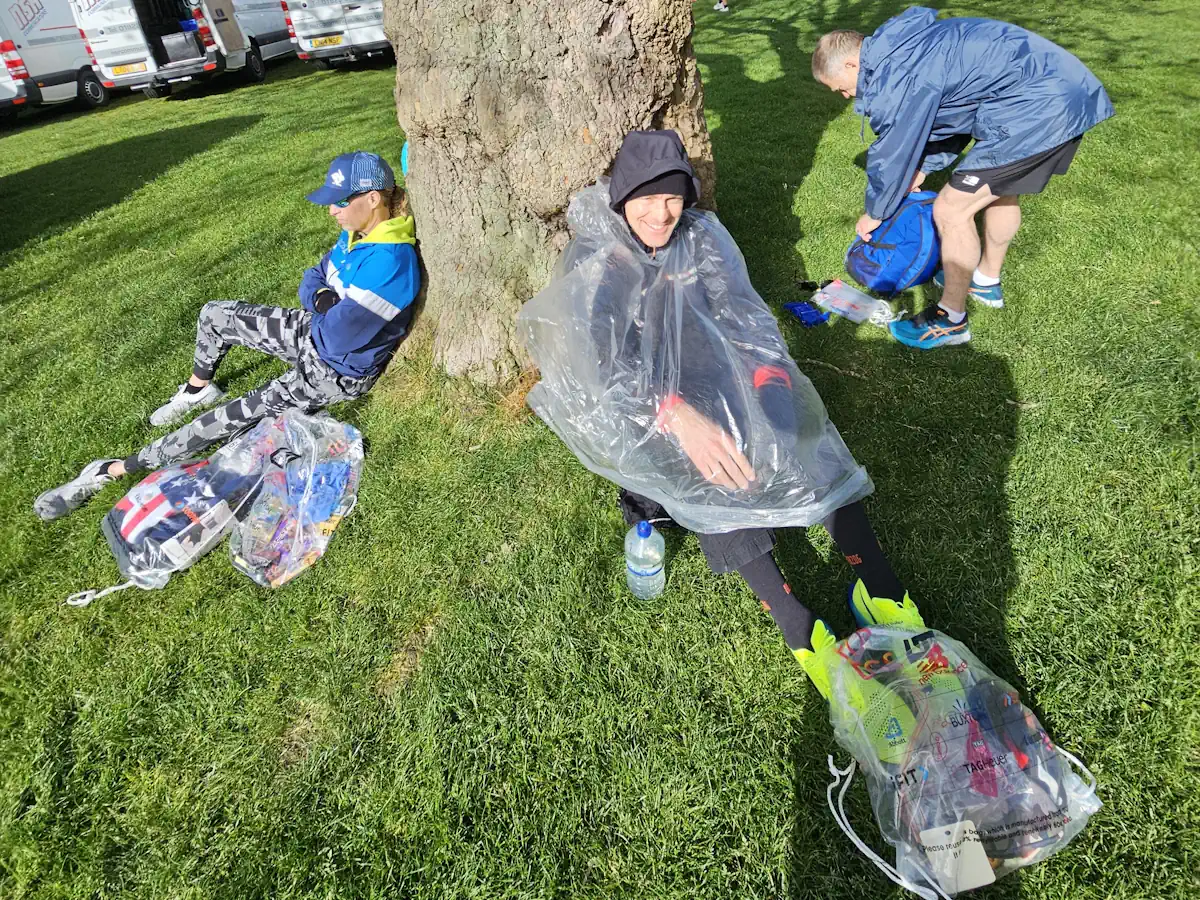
[(870, 610), (856, 696), (820, 658)]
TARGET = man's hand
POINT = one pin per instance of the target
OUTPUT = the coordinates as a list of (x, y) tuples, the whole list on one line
[(918, 180), (710, 448), (866, 225)]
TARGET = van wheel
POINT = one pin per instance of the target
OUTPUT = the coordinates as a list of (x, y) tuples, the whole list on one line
[(8, 117), (157, 91), (91, 92), (256, 69), (322, 65)]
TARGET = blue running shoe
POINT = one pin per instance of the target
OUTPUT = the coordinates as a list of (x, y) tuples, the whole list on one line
[(929, 329), (991, 295)]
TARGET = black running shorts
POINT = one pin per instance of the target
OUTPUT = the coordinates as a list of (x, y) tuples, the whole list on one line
[(1025, 176)]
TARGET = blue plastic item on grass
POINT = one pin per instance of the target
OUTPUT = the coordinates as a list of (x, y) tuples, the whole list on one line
[(903, 251), (809, 315)]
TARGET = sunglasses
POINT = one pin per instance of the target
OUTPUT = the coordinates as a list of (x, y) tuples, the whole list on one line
[(342, 204)]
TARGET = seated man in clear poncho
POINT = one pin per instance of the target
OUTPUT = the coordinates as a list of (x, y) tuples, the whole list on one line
[(664, 371)]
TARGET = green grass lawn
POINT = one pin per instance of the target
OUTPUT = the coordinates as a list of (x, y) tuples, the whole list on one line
[(462, 699)]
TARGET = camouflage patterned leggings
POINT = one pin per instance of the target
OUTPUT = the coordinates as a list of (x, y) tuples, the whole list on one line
[(284, 333)]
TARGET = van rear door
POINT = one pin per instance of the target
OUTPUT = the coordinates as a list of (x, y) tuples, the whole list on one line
[(230, 38), (12, 91), (364, 23), (319, 24), (117, 39)]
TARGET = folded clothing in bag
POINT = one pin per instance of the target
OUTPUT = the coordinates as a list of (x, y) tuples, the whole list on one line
[(175, 515)]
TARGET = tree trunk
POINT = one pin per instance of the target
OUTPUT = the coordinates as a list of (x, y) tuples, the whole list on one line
[(509, 106)]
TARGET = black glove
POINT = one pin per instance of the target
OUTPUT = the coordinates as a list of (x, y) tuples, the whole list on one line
[(325, 300)]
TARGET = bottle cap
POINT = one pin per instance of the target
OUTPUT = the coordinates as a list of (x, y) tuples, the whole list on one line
[(644, 528)]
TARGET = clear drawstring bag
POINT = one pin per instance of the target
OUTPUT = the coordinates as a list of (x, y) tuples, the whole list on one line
[(309, 484), (281, 487), (619, 334), (965, 783), (177, 514)]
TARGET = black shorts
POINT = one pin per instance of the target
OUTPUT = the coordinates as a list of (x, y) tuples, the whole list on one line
[(1025, 176), (724, 552)]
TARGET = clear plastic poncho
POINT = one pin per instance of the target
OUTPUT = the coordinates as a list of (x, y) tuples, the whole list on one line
[(964, 781), (617, 332)]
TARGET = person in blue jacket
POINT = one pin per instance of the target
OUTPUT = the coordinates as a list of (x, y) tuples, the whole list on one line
[(929, 88), (357, 306)]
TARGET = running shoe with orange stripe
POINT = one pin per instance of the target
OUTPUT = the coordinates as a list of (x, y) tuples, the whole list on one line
[(929, 329)]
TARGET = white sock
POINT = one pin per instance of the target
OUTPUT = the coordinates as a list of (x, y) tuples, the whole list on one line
[(955, 315), (984, 280)]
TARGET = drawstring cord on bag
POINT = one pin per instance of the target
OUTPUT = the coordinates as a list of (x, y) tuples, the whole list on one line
[(839, 816), (884, 316), (1074, 760), (83, 598)]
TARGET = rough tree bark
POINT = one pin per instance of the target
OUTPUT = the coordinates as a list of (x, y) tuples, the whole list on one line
[(509, 106)]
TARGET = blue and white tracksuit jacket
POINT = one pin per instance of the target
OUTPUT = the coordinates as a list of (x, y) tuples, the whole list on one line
[(377, 278)]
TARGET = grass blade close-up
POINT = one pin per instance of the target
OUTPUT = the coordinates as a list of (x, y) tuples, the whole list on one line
[(462, 698)]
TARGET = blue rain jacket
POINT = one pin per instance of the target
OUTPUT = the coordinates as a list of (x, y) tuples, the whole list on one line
[(921, 81)]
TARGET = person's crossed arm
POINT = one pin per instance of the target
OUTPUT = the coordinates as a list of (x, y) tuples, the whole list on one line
[(315, 294)]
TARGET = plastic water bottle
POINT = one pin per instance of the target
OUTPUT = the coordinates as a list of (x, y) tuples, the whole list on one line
[(644, 552)]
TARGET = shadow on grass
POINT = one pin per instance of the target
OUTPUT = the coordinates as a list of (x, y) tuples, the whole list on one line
[(43, 200), (936, 431), (60, 113)]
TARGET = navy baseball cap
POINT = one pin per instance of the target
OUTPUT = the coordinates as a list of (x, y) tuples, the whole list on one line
[(353, 173)]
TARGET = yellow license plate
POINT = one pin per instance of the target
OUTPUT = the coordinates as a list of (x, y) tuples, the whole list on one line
[(125, 70), (327, 41)]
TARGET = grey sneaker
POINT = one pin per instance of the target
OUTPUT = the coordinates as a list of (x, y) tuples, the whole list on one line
[(59, 501), (183, 403)]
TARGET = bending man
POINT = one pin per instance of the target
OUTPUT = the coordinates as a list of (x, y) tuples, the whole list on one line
[(929, 88)]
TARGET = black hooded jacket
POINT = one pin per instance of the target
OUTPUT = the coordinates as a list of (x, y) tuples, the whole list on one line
[(699, 364), (645, 156)]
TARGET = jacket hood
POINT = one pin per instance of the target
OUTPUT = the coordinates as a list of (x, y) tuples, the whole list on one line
[(400, 230), (644, 156), (887, 37)]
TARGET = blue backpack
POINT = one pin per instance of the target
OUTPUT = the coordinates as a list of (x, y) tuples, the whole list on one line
[(903, 251)]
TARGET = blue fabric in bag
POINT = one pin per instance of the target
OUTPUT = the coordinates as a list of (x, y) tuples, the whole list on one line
[(903, 251)]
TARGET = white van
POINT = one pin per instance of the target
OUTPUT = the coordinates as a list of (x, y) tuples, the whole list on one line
[(329, 31), (46, 59), (12, 90), (153, 44)]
